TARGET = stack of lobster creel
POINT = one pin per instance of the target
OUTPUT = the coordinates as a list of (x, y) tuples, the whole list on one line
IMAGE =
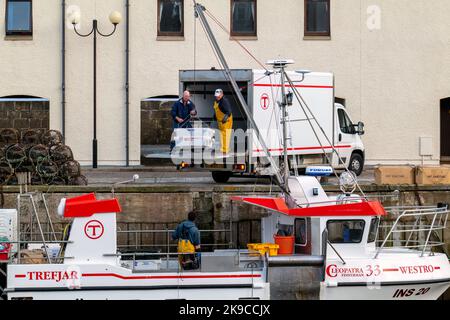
[(43, 154)]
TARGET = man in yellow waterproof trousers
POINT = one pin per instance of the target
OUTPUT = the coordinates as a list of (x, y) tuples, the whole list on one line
[(188, 237), (224, 117)]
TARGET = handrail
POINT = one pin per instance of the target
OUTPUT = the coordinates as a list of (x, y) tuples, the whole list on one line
[(164, 231), (168, 232), (119, 254), (172, 245), (334, 249), (239, 253), (418, 212), (36, 242), (334, 202), (137, 245), (354, 199)]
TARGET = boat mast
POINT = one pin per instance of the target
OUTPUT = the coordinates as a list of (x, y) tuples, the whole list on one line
[(284, 104), (199, 13)]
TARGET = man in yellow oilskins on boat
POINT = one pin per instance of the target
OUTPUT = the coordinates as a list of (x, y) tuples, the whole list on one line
[(224, 117)]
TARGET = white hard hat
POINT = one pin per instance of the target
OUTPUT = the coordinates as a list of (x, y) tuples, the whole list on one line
[(218, 93)]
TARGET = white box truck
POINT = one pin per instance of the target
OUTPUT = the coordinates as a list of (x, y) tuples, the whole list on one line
[(263, 92)]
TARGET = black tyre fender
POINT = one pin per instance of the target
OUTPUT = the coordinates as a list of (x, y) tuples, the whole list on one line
[(221, 176)]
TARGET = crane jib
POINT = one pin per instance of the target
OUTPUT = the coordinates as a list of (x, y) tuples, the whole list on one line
[(199, 13)]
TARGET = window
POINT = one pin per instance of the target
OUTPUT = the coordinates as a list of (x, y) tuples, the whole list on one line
[(345, 123), (373, 230), (345, 231), (317, 18), (19, 17), (243, 17), (301, 236), (284, 230), (170, 18)]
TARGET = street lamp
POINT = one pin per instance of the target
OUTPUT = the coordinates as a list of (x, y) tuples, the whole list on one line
[(115, 18)]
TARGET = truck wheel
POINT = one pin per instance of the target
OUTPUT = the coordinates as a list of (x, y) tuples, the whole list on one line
[(221, 176), (356, 164)]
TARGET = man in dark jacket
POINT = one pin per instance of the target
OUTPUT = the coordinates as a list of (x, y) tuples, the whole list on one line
[(187, 232), (182, 110)]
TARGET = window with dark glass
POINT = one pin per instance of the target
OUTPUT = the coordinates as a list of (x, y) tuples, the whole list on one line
[(345, 231), (345, 123), (373, 230), (301, 236), (19, 17), (170, 18), (317, 17), (243, 17)]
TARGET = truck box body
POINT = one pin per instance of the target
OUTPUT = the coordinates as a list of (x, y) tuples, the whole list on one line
[(317, 91)]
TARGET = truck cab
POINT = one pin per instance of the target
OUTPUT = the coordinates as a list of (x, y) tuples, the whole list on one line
[(351, 147)]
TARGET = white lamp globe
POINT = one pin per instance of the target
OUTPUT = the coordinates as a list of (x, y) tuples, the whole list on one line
[(115, 17), (75, 17)]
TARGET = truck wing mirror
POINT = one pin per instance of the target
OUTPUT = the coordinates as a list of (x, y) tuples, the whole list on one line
[(361, 128)]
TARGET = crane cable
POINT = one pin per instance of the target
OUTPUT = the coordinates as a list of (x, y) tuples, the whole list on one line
[(303, 102), (300, 99), (234, 39), (195, 57)]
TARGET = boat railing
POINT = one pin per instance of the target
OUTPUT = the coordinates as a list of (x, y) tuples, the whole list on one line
[(244, 258), (167, 247), (415, 228), (167, 233), (51, 259), (348, 200)]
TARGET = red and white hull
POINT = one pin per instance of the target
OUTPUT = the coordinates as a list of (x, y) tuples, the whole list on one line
[(389, 277), (105, 282), (422, 290)]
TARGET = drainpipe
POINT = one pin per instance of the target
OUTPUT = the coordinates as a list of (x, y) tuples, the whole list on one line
[(63, 67), (127, 84)]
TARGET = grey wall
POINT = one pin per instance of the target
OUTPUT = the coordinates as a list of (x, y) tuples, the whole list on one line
[(24, 115)]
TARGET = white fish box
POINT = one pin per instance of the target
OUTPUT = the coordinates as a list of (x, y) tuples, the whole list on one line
[(194, 138), (143, 265)]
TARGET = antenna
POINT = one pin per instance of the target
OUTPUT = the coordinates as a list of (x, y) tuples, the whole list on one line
[(280, 63)]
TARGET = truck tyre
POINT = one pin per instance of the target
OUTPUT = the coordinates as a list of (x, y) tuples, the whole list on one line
[(221, 176), (356, 164)]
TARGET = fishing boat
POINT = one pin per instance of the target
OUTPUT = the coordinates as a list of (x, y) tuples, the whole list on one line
[(336, 235)]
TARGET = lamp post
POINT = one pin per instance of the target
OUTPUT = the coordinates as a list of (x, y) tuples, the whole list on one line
[(115, 18)]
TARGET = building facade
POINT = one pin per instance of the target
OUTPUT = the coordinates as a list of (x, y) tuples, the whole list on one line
[(390, 60)]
